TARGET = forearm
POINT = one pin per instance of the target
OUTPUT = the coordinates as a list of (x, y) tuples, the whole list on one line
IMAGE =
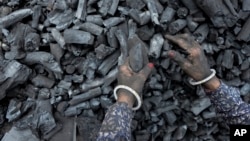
[(117, 122), (229, 104)]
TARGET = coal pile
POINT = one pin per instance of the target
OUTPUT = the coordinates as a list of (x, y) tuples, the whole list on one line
[(59, 62)]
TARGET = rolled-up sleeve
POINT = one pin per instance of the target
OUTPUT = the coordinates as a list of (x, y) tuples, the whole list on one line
[(116, 124), (229, 105)]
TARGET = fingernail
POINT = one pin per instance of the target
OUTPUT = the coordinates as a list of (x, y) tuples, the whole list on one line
[(171, 54), (151, 65)]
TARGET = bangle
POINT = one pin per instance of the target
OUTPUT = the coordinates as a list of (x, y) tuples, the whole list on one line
[(192, 82), (139, 102)]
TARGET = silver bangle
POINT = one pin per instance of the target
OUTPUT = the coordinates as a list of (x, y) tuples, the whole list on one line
[(139, 101), (192, 82)]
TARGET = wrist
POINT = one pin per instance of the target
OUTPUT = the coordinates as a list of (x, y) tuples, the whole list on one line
[(212, 84), (126, 96)]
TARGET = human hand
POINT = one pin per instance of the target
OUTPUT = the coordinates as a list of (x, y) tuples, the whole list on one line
[(133, 80), (195, 65)]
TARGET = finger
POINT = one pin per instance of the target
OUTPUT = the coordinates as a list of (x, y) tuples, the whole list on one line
[(123, 69), (178, 58), (127, 61), (147, 70), (179, 40)]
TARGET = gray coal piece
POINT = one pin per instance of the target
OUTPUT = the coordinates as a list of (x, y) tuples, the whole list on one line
[(12, 74), (78, 37)]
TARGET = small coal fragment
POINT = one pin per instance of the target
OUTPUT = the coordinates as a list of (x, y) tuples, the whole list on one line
[(102, 51), (22, 37), (176, 26), (85, 96), (42, 81), (95, 104), (62, 20), (144, 17), (244, 33), (14, 17), (108, 63), (201, 33), (58, 37), (167, 15), (113, 7), (208, 114), (2, 115), (138, 4), (105, 102), (245, 65), (20, 135), (135, 15), (145, 32), (212, 8), (191, 5), (182, 12), (113, 21), (245, 5), (167, 94), (41, 119), (88, 128), (81, 10), (105, 6), (96, 19), (228, 59), (199, 105), (180, 132), (91, 28), (170, 117), (66, 131), (77, 109), (36, 16), (156, 44), (44, 58), (14, 110), (246, 75), (12, 74), (78, 37), (44, 93), (192, 25), (153, 11)]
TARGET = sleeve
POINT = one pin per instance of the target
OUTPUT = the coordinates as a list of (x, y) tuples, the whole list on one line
[(229, 105), (116, 124)]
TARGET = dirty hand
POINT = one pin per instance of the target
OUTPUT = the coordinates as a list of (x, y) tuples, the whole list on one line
[(195, 65), (133, 80)]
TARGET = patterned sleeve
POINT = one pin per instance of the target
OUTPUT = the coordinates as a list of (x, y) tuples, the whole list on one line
[(116, 124), (229, 105)]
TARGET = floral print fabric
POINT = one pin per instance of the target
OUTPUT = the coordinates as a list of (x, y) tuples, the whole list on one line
[(116, 124), (229, 105), (226, 99)]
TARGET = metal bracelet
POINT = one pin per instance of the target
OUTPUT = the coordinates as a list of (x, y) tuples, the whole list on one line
[(139, 101), (192, 82)]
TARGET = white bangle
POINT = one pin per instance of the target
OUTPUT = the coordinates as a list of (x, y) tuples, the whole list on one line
[(139, 102), (192, 82)]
